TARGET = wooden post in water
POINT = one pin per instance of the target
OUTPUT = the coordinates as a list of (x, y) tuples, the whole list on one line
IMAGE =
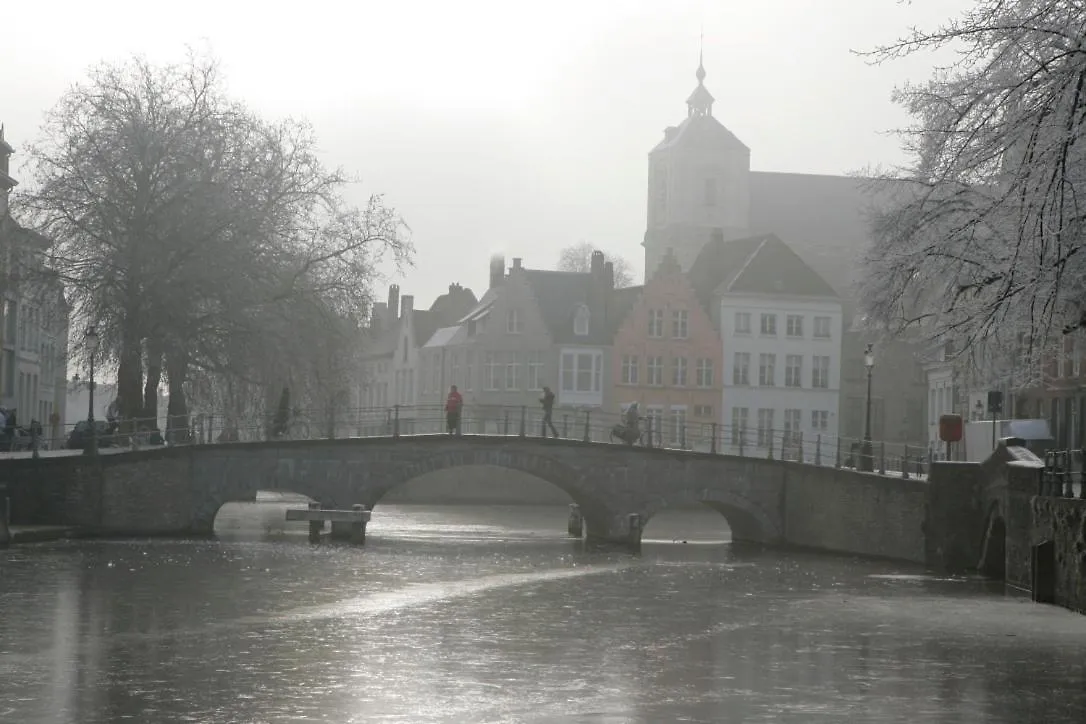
[(358, 527), (5, 530), (316, 527), (634, 530), (575, 527)]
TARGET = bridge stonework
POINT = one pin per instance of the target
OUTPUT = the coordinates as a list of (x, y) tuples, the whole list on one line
[(178, 491)]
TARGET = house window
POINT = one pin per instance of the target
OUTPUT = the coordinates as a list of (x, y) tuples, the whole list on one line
[(656, 323), (454, 377), (820, 420), (793, 370), (512, 372), (582, 372), (740, 416), (704, 372), (678, 374), (703, 411), (710, 192), (741, 373), (469, 362), (535, 371), (765, 427), (769, 324), (822, 327), (793, 325), (679, 324), (678, 426), (792, 426), (655, 369), (767, 369), (512, 321), (629, 369), (580, 321), (491, 371), (820, 373), (742, 322)]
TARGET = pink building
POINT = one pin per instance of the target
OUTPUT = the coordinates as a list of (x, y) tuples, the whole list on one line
[(668, 357)]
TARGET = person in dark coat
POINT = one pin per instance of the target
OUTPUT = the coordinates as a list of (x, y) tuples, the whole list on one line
[(547, 400)]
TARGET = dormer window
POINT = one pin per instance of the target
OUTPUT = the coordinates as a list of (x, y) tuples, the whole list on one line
[(580, 321)]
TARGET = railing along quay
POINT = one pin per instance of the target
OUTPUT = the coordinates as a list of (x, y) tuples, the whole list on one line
[(1063, 474)]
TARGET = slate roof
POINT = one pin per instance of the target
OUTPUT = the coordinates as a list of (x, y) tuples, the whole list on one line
[(756, 265), (699, 132), (622, 302), (445, 310), (824, 219), (558, 295)]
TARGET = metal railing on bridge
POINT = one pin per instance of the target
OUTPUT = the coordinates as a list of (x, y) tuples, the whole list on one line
[(1063, 474), (586, 425)]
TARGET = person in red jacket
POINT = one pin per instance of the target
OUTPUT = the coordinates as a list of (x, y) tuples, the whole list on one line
[(453, 403)]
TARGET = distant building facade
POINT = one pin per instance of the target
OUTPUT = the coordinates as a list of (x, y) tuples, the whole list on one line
[(34, 322)]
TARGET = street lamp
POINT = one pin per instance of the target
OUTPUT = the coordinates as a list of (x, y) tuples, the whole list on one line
[(90, 338), (867, 462)]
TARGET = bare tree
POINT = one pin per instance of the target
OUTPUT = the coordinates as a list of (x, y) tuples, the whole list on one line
[(192, 232), (578, 258), (982, 241)]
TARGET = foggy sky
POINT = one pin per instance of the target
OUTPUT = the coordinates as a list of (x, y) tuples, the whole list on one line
[(497, 125)]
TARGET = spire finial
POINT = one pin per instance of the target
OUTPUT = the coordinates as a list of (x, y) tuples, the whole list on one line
[(701, 58)]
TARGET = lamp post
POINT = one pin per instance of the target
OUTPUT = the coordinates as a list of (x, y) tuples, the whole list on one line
[(866, 456), (90, 337)]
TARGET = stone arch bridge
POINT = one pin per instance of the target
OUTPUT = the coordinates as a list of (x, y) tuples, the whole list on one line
[(178, 491)]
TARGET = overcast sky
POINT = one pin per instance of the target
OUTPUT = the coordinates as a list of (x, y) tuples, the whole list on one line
[(500, 125)]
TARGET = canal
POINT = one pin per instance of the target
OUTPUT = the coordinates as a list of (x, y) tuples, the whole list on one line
[(490, 614)]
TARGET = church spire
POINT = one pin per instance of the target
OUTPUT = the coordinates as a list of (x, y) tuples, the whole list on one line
[(700, 102)]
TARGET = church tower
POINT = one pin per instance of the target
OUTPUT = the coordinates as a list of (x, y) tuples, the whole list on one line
[(699, 185)]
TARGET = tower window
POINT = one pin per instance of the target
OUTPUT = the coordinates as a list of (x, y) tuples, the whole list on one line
[(710, 192)]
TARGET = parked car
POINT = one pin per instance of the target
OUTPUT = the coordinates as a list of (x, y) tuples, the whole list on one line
[(80, 434)]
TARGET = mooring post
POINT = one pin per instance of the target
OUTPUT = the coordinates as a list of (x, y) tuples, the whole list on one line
[(575, 527), (587, 428), (523, 419), (905, 464), (648, 429), (505, 422), (634, 530), (818, 449), (770, 457), (882, 458), (712, 442), (358, 527), (5, 516), (837, 462), (395, 421), (742, 432), (799, 450), (316, 527)]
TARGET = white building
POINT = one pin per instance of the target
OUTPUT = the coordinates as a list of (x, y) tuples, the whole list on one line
[(781, 327)]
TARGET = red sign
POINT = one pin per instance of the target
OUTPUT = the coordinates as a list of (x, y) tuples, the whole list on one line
[(950, 428)]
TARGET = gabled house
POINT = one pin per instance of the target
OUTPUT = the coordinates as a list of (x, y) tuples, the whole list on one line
[(392, 379), (781, 328), (668, 357), (532, 328)]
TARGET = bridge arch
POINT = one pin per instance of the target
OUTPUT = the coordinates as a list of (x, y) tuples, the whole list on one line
[(547, 468), (747, 520)]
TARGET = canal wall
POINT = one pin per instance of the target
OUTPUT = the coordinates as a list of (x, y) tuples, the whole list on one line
[(1063, 522), (845, 511)]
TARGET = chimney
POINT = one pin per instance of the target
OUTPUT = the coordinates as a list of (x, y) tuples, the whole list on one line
[(497, 270), (394, 301), (517, 262), (407, 304), (596, 267)]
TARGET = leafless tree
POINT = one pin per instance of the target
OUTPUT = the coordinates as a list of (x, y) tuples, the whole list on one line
[(982, 242), (193, 233), (578, 258)]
